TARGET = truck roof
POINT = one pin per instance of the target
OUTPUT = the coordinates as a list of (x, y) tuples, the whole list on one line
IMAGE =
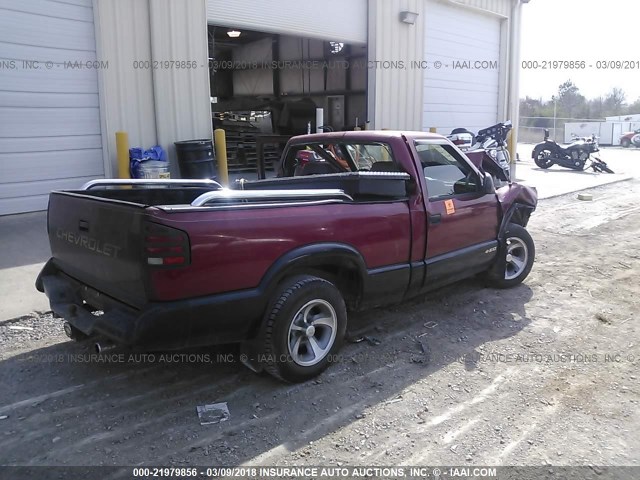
[(363, 135)]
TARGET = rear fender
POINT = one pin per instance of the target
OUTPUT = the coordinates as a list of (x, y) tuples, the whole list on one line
[(316, 256), (551, 146), (339, 263), (331, 261)]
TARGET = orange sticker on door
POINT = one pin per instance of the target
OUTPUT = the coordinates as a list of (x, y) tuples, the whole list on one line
[(451, 208)]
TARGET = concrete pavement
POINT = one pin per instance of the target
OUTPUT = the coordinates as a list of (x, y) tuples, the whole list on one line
[(557, 181), (25, 248), (25, 245)]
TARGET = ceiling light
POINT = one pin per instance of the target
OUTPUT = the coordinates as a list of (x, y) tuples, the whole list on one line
[(234, 33)]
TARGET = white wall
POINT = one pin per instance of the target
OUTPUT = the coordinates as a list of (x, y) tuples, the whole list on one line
[(154, 105), (182, 96), (395, 94)]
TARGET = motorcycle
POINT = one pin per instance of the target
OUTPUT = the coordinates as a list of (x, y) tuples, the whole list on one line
[(575, 156), (461, 138), (489, 152)]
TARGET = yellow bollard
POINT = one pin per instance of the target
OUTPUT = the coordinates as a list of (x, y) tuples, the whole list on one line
[(512, 148), (433, 130), (122, 149), (220, 143)]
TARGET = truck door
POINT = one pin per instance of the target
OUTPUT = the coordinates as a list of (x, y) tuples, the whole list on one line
[(462, 221)]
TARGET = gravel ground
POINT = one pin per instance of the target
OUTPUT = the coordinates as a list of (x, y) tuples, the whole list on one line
[(544, 374), (22, 332)]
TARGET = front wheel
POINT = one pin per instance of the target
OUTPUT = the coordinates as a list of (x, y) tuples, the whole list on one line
[(520, 252), (600, 166), (305, 328), (625, 142), (543, 158)]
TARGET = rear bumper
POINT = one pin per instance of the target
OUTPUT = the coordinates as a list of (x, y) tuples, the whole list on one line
[(210, 320)]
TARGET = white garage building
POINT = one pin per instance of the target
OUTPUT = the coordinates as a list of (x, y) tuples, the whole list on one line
[(71, 75)]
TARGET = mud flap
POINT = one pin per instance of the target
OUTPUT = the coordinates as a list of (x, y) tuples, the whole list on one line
[(250, 350), (500, 265)]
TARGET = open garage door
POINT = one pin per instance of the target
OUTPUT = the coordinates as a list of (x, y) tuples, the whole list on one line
[(338, 20), (50, 135), (462, 92)]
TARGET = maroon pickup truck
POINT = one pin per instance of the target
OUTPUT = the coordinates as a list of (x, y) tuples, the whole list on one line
[(353, 220)]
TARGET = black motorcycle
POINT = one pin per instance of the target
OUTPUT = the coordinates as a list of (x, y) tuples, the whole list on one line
[(574, 156)]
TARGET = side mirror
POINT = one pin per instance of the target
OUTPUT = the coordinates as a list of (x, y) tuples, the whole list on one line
[(488, 187), (546, 134)]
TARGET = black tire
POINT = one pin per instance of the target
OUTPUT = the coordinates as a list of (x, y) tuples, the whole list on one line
[(625, 143), (543, 158), (299, 299), (600, 167), (509, 277)]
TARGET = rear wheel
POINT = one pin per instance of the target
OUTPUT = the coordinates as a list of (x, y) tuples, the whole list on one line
[(305, 328), (519, 254), (543, 158), (625, 142)]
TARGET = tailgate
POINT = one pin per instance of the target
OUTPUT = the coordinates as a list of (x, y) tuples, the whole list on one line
[(100, 243)]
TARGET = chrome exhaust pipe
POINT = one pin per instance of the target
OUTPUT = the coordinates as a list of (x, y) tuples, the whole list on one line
[(68, 330), (103, 347)]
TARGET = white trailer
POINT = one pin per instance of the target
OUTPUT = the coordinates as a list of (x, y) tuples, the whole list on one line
[(609, 132)]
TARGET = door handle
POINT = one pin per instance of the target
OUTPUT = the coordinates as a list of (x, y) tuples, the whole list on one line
[(83, 225), (434, 219)]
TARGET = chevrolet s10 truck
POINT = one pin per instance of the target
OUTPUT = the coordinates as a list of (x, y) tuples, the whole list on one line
[(353, 220)]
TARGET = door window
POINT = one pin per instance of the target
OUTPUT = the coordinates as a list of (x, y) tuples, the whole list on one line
[(446, 173)]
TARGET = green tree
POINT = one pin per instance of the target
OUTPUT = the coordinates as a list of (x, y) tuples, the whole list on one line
[(634, 108), (570, 101), (614, 102)]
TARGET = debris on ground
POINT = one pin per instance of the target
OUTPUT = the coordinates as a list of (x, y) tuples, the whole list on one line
[(372, 341), (214, 413), (603, 318)]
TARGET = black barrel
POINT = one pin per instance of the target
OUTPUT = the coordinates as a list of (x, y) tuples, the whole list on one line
[(196, 159)]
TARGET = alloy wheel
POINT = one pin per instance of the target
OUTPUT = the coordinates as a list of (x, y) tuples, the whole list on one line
[(517, 256), (312, 332)]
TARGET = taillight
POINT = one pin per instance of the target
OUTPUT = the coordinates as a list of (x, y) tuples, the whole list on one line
[(165, 246)]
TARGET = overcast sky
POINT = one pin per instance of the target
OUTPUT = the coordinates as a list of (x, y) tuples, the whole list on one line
[(589, 30)]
